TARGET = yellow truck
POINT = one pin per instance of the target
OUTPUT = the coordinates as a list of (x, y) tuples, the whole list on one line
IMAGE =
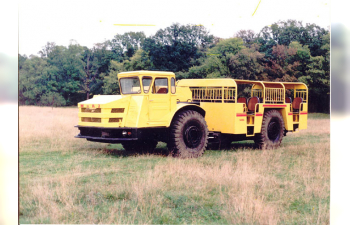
[(188, 113)]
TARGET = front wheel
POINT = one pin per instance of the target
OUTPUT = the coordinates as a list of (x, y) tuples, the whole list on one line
[(271, 131), (188, 135)]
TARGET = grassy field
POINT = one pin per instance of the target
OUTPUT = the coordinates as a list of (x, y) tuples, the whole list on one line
[(68, 180)]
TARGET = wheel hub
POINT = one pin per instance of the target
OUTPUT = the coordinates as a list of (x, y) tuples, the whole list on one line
[(273, 130), (192, 136)]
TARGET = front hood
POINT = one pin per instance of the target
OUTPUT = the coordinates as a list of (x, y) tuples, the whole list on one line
[(110, 111), (103, 111), (102, 99)]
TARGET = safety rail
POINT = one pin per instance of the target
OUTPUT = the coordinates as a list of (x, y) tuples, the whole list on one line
[(257, 92), (207, 94), (301, 93), (213, 94), (229, 94), (274, 95)]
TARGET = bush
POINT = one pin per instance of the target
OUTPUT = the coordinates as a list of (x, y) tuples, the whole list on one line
[(52, 99)]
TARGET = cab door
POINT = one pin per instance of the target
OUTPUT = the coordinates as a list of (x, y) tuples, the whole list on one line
[(159, 99)]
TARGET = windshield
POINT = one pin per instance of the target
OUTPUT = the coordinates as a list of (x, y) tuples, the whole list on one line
[(130, 85)]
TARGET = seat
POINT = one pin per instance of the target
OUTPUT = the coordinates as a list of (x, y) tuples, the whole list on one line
[(251, 104), (162, 91), (288, 100), (296, 104), (242, 100)]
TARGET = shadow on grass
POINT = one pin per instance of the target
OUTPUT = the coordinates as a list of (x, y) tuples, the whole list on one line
[(234, 147), (243, 146), (163, 152)]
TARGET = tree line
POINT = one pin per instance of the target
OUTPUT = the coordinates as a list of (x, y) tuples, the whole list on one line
[(284, 51)]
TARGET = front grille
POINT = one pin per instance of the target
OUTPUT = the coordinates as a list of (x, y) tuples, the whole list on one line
[(90, 132), (115, 120), (88, 110), (91, 119), (117, 110)]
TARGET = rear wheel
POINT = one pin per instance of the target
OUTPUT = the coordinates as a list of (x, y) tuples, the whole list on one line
[(144, 146), (188, 135), (271, 131)]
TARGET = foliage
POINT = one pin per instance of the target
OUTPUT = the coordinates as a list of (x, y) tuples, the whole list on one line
[(32, 80), (285, 32), (230, 58), (248, 36), (125, 45), (247, 63), (282, 67), (284, 51), (52, 99), (175, 48)]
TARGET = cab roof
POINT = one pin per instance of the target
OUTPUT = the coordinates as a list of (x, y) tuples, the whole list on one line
[(145, 72), (218, 82), (229, 82)]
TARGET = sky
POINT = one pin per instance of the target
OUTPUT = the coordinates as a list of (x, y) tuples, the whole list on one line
[(90, 22)]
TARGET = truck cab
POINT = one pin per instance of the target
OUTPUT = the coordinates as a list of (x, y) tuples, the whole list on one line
[(143, 111)]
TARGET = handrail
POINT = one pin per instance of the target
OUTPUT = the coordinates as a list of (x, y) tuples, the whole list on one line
[(213, 94), (274, 95), (301, 93)]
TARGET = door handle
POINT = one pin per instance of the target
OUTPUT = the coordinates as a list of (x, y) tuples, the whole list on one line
[(151, 100)]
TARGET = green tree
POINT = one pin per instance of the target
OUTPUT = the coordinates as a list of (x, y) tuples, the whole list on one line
[(318, 83), (110, 81), (47, 49), (302, 56), (96, 65), (247, 64), (33, 77), (281, 67), (52, 99), (285, 32), (177, 47), (140, 61), (65, 71), (325, 48), (249, 37), (125, 45), (218, 61), (21, 60)]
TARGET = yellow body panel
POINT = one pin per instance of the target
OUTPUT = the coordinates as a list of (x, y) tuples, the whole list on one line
[(303, 117), (258, 117), (240, 119), (219, 116), (215, 97)]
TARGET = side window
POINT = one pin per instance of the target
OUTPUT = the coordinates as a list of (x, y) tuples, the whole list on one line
[(146, 83), (173, 88), (160, 86)]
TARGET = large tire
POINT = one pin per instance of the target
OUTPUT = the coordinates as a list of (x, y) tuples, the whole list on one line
[(271, 131), (144, 146), (188, 135)]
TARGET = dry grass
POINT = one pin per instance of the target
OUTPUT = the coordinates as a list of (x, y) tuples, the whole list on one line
[(67, 180)]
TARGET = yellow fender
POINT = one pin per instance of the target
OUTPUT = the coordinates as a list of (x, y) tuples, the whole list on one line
[(182, 106)]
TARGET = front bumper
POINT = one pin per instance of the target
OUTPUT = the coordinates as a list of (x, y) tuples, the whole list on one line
[(115, 135)]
